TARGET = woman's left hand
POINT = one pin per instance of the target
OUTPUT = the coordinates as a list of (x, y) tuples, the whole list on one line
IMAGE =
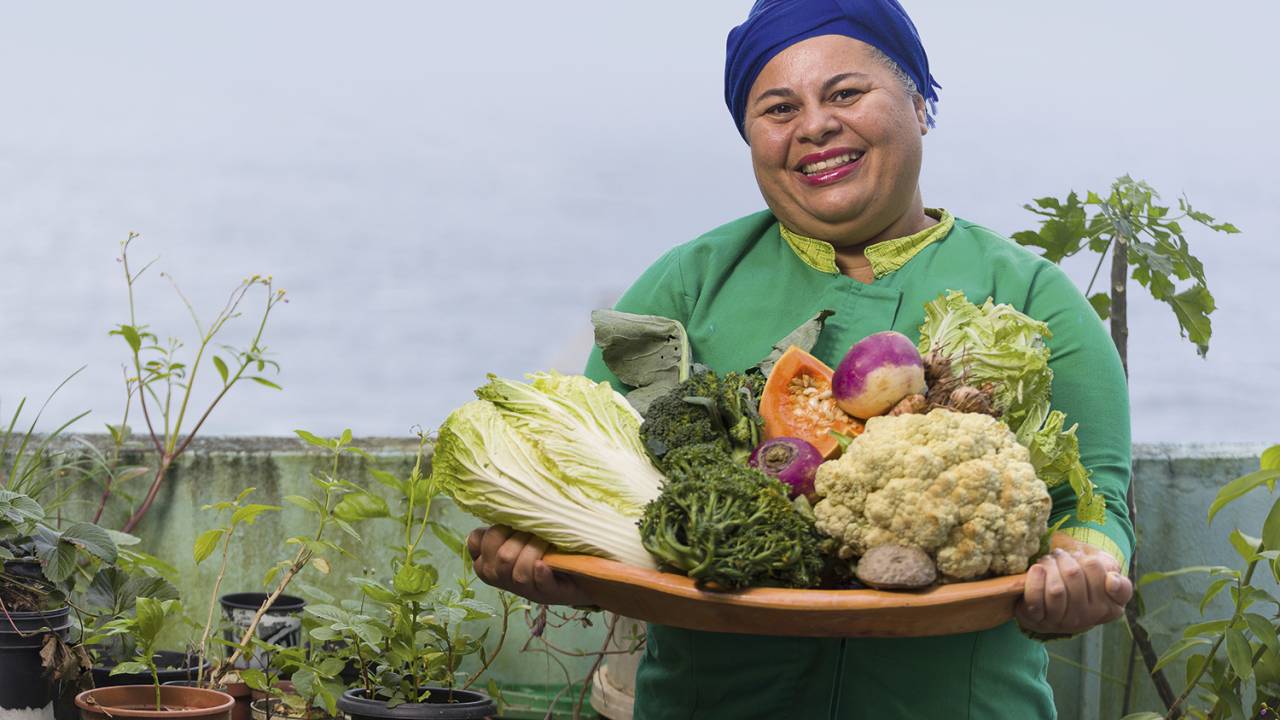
[(1072, 591)]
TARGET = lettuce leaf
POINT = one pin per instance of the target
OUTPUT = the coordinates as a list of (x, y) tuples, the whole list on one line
[(999, 345)]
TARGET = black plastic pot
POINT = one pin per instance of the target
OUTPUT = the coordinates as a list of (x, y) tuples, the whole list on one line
[(23, 685), (466, 705), (281, 625), (173, 665)]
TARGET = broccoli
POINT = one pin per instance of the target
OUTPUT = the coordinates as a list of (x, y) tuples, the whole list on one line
[(728, 525), (706, 408)]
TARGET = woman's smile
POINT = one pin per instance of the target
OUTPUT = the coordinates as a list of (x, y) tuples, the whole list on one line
[(829, 166)]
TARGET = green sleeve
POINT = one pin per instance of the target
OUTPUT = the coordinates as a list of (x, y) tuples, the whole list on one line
[(659, 291), (1089, 386)]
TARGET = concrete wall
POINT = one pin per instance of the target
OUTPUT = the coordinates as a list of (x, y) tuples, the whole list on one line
[(1175, 486)]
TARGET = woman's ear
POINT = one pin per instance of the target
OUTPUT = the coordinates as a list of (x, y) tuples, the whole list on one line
[(922, 114)]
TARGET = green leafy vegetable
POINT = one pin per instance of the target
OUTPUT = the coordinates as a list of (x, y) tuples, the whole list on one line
[(559, 457), (647, 352), (706, 408), (803, 337), (996, 347), (728, 525)]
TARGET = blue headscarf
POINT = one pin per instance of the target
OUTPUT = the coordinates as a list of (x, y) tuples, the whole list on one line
[(775, 25)]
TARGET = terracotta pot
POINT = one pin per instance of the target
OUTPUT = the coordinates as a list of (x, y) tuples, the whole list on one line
[(242, 693), (23, 686), (139, 701), (466, 705)]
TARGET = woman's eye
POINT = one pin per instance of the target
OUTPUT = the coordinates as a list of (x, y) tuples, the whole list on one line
[(780, 109), (846, 94)]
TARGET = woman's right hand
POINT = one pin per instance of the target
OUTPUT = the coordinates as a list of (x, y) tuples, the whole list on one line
[(512, 561)]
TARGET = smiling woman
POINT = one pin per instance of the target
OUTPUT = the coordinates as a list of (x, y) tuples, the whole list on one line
[(834, 98)]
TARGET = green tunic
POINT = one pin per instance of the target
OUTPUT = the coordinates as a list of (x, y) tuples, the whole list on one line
[(742, 287)]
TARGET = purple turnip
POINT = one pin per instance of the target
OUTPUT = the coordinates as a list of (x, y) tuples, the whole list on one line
[(876, 373), (791, 460)]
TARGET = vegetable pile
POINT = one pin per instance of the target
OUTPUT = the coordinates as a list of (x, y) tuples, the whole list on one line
[(906, 464)]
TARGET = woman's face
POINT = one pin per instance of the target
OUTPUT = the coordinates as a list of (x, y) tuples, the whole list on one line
[(835, 140)]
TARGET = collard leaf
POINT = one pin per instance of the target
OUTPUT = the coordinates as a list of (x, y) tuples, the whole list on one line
[(642, 398), (642, 349), (803, 337)]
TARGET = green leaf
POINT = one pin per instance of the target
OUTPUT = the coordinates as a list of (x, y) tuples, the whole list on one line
[(1239, 653), (1240, 487), (446, 535), (305, 503), (1270, 459), (1192, 308), (91, 539), (362, 506), (346, 437), (206, 544), (254, 678), (249, 513), (1177, 649), (1212, 591), (131, 336), (1101, 303), (642, 349), (1245, 545), (1151, 577), (1271, 527), (413, 579), (329, 612), (1264, 629), (222, 368), (150, 614), (1210, 628), (264, 381), (131, 666), (374, 589), (388, 479), (803, 337), (314, 439)]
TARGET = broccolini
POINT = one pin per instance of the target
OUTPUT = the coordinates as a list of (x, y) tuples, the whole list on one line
[(728, 525)]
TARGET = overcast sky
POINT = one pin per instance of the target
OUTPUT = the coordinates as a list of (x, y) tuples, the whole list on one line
[(446, 190)]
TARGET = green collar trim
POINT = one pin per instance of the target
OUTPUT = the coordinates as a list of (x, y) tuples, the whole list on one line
[(885, 257)]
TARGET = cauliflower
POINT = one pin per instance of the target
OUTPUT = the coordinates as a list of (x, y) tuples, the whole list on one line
[(956, 485)]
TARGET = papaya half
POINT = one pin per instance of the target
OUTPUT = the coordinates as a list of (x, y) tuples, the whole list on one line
[(797, 403)]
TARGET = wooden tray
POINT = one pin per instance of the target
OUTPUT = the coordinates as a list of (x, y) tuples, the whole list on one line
[(669, 599)]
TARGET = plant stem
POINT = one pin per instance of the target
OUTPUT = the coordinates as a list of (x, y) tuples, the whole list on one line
[(1101, 258), (497, 650), (155, 680), (213, 602), (154, 490), (1120, 298), (299, 562), (1175, 709)]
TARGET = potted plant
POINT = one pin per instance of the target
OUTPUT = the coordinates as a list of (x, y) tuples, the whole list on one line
[(125, 701), (409, 635), (40, 567)]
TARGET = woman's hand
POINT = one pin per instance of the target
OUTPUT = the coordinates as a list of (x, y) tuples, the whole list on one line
[(1072, 591), (512, 561)]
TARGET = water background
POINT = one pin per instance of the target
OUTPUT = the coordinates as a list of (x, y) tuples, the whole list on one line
[(446, 190)]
